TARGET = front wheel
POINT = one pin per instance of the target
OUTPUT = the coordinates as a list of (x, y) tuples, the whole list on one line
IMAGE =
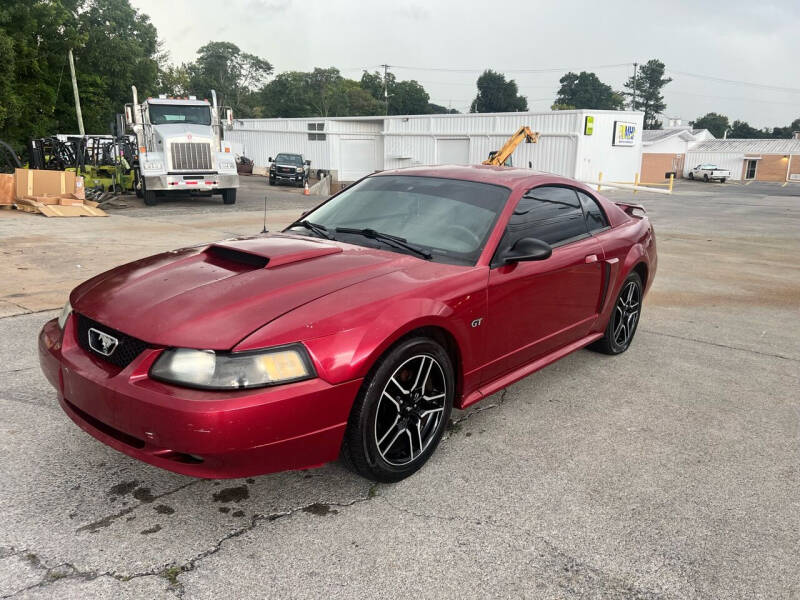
[(229, 196), (401, 412), (705, 178), (691, 175), (624, 318)]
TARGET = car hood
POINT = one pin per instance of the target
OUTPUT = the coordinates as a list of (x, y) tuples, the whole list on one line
[(214, 296)]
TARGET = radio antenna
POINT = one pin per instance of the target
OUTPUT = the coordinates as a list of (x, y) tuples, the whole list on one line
[(265, 216)]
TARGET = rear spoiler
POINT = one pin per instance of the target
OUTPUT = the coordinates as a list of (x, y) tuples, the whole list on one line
[(629, 208)]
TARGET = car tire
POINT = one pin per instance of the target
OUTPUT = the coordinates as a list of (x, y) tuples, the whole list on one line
[(624, 317), (691, 175), (271, 181), (229, 196), (401, 411), (723, 180), (705, 178)]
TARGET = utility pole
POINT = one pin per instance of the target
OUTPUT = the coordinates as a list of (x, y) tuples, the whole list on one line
[(635, 67), (75, 93), (386, 88)]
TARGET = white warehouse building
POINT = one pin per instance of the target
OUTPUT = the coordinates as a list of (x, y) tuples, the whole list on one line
[(573, 143)]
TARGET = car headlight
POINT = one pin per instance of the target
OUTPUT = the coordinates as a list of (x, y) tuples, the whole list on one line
[(65, 313), (233, 370), (299, 170), (272, 167), (153, 165)]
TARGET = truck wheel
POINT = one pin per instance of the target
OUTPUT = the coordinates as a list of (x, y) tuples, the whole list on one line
[(271, 181), (149, 197), (705, 177), (229, 196), (691, 175), (722, 180)]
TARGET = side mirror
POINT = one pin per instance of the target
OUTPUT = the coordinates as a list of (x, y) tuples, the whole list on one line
[(308, 162), (269, 159), (526, 249)]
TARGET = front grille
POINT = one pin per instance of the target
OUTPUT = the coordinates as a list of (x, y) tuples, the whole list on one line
[(285, 169), (191, 156), (127, 348)]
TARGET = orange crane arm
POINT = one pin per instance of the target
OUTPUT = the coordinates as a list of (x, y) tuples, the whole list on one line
[(523, 133)]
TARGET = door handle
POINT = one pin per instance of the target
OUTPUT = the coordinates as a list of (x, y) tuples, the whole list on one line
[(592, 258)]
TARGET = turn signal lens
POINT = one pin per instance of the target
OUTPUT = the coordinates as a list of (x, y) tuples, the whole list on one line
[(65, 313)]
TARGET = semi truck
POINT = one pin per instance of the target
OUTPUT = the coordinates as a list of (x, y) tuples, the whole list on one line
[(181, 147)]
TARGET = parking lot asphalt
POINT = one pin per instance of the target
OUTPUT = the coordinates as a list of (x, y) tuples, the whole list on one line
[(670, 471)]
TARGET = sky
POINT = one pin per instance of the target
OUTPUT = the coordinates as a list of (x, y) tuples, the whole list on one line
[(446, 44)]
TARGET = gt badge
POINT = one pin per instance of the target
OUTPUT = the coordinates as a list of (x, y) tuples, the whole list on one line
[(477, 322)]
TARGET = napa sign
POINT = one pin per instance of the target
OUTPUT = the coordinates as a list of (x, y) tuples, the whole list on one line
[(624, 133)]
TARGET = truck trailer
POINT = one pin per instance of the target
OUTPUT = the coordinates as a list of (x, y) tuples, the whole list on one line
[(181, 147)]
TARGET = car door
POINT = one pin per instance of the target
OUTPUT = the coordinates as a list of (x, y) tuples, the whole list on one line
[(538, 306)]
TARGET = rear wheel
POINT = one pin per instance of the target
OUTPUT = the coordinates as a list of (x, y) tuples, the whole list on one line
[(705, 177), (399, 417), (624, 318), (229, 196), (723, 180)]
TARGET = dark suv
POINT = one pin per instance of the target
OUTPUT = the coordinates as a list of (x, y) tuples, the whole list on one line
[(289, 168)]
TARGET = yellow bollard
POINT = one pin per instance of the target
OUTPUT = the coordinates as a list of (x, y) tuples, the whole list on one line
[(599, 180), (635, 182), (671, 181)]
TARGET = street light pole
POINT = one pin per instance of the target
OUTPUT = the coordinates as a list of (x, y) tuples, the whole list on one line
[(635, 68)]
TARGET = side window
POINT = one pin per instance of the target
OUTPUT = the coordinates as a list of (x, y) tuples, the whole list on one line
[(595, 219), (551, 214)]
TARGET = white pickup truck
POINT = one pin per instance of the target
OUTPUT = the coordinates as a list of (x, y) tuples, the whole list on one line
[(709, 172)]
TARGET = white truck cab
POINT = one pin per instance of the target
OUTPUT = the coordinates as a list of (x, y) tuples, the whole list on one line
[(181, 147)]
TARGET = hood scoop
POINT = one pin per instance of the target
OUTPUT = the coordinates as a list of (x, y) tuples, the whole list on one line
[(270, 252)]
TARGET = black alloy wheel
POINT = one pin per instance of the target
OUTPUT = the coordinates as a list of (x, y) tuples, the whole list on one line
[(400, 415), (624, 318)]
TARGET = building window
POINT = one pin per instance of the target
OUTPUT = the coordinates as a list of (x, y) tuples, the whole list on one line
[(316, 137), (316, 126)]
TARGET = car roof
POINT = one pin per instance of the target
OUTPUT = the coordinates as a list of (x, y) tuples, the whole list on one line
[(511, 177)]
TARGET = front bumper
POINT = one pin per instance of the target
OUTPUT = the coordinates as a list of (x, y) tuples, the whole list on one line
[(191, 182), (290, 177), (195, 432)]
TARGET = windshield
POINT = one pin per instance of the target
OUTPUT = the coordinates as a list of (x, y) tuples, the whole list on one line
[(290, 159), (449, 218), (163, 114)]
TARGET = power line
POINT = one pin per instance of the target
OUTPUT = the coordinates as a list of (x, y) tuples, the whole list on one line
[(544, 70), (735, 81)]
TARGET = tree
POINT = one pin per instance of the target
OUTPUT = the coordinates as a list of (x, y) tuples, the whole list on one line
[(495, 94), (406, 97), (233, 74), (743, 130), (587, 91), (786, 132), (287, 95), (717, 124), (645, 92), (438, 109), (34, 40)]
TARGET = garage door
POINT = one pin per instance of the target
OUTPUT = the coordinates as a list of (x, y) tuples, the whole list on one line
[(452, 151), (359, 158)]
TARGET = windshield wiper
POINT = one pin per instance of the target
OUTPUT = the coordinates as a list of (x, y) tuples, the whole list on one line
[(392, 240), (320, 230)]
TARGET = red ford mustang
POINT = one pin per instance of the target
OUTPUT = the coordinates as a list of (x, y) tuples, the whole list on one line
[(354, 331)]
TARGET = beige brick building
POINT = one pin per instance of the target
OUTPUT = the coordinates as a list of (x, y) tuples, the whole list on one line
[(750, 160)]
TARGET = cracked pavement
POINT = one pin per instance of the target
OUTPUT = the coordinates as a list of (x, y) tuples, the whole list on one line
[(668, 472)]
